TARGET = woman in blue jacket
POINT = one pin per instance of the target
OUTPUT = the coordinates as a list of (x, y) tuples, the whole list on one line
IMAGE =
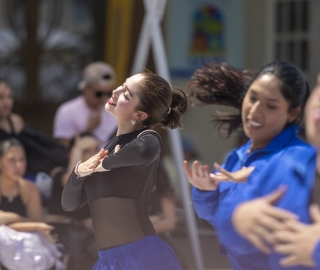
[(269, 107), (298, 241)]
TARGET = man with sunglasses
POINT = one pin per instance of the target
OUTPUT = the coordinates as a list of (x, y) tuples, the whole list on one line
[(86, 113)]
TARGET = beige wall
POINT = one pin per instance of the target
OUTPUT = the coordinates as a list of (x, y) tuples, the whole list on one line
[(256, 43), (315, 42)]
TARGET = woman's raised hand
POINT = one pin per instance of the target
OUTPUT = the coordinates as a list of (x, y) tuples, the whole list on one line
[(98, 167), (200, 176), (88, 167), (98, 157)]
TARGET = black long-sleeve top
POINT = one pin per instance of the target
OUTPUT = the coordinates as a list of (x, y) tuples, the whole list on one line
[(119, 198)]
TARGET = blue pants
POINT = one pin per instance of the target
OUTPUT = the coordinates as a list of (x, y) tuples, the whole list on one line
[(149, 253)]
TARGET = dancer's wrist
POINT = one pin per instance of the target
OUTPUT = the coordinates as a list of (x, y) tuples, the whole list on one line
[(76, 168)]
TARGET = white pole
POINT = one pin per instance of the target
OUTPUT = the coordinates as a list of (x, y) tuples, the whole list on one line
[(151, 33)]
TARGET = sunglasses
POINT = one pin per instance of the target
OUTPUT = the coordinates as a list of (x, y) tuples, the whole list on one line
[(100, 94)]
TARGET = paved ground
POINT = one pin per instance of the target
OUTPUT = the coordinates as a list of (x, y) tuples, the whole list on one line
[(210, 250)]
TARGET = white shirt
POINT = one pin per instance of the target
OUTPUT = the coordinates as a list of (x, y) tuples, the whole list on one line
[(71, 119)]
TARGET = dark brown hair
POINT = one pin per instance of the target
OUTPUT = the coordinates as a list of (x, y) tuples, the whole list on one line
[(164, 104)]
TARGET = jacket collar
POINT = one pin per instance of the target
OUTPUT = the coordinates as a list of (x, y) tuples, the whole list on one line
[(275, 144)]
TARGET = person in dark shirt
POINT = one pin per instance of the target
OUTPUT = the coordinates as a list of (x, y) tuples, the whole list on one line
[(298, 241), (43, 152), (118, 181), (20, 202)]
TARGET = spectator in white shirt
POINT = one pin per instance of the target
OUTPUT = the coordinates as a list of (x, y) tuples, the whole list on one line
[(86, 113)]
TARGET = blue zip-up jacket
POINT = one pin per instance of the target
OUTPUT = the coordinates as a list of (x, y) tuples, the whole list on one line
[(285, 160)]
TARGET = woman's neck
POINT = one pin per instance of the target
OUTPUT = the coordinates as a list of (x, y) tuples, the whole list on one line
[(3, 119), (7, 183), (255, 147)]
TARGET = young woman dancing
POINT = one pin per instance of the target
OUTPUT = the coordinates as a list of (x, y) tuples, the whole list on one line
[(117, 182), (268, 106)]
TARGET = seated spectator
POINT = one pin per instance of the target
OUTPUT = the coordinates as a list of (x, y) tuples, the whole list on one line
[(17, 195), (20, 203), (86, 113), (43, 153), (74, 229), (10, 123)]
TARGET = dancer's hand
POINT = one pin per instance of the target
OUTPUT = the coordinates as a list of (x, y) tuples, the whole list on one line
[(88, 167), (257, 219), (298, 240), (101, 155), (237, 176), (200, 176), (98, 167)]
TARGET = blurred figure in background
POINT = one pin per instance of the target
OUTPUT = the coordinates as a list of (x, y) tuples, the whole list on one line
[(10, 123), (20, 202), (74, 229), (43, 153), (162, 212), (85, 113)]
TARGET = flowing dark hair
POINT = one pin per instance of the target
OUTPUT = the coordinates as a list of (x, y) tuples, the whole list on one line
[(222, 84)]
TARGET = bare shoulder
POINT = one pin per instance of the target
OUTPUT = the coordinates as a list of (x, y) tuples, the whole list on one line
[(18, 122), (28, 189)]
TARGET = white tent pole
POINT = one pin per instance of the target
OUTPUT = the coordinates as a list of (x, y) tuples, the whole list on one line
[(151, 32)]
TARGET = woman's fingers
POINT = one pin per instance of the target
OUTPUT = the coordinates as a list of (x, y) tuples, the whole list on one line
[(258, 243), (270, 223), (284, 248), (222, 171), (187, 169), (237, 176), (206, 172), (279, 214), (97, 158), (275, 195), (295, 226), (195, 168), (199, 176), (283, 237), (117, 148), (242, 175)]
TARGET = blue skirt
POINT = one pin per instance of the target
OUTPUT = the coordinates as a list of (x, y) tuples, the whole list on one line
[(149, 253)]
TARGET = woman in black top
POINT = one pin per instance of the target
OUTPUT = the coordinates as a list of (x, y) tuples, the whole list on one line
[(42, 152), (117, 182), (20, 203)]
